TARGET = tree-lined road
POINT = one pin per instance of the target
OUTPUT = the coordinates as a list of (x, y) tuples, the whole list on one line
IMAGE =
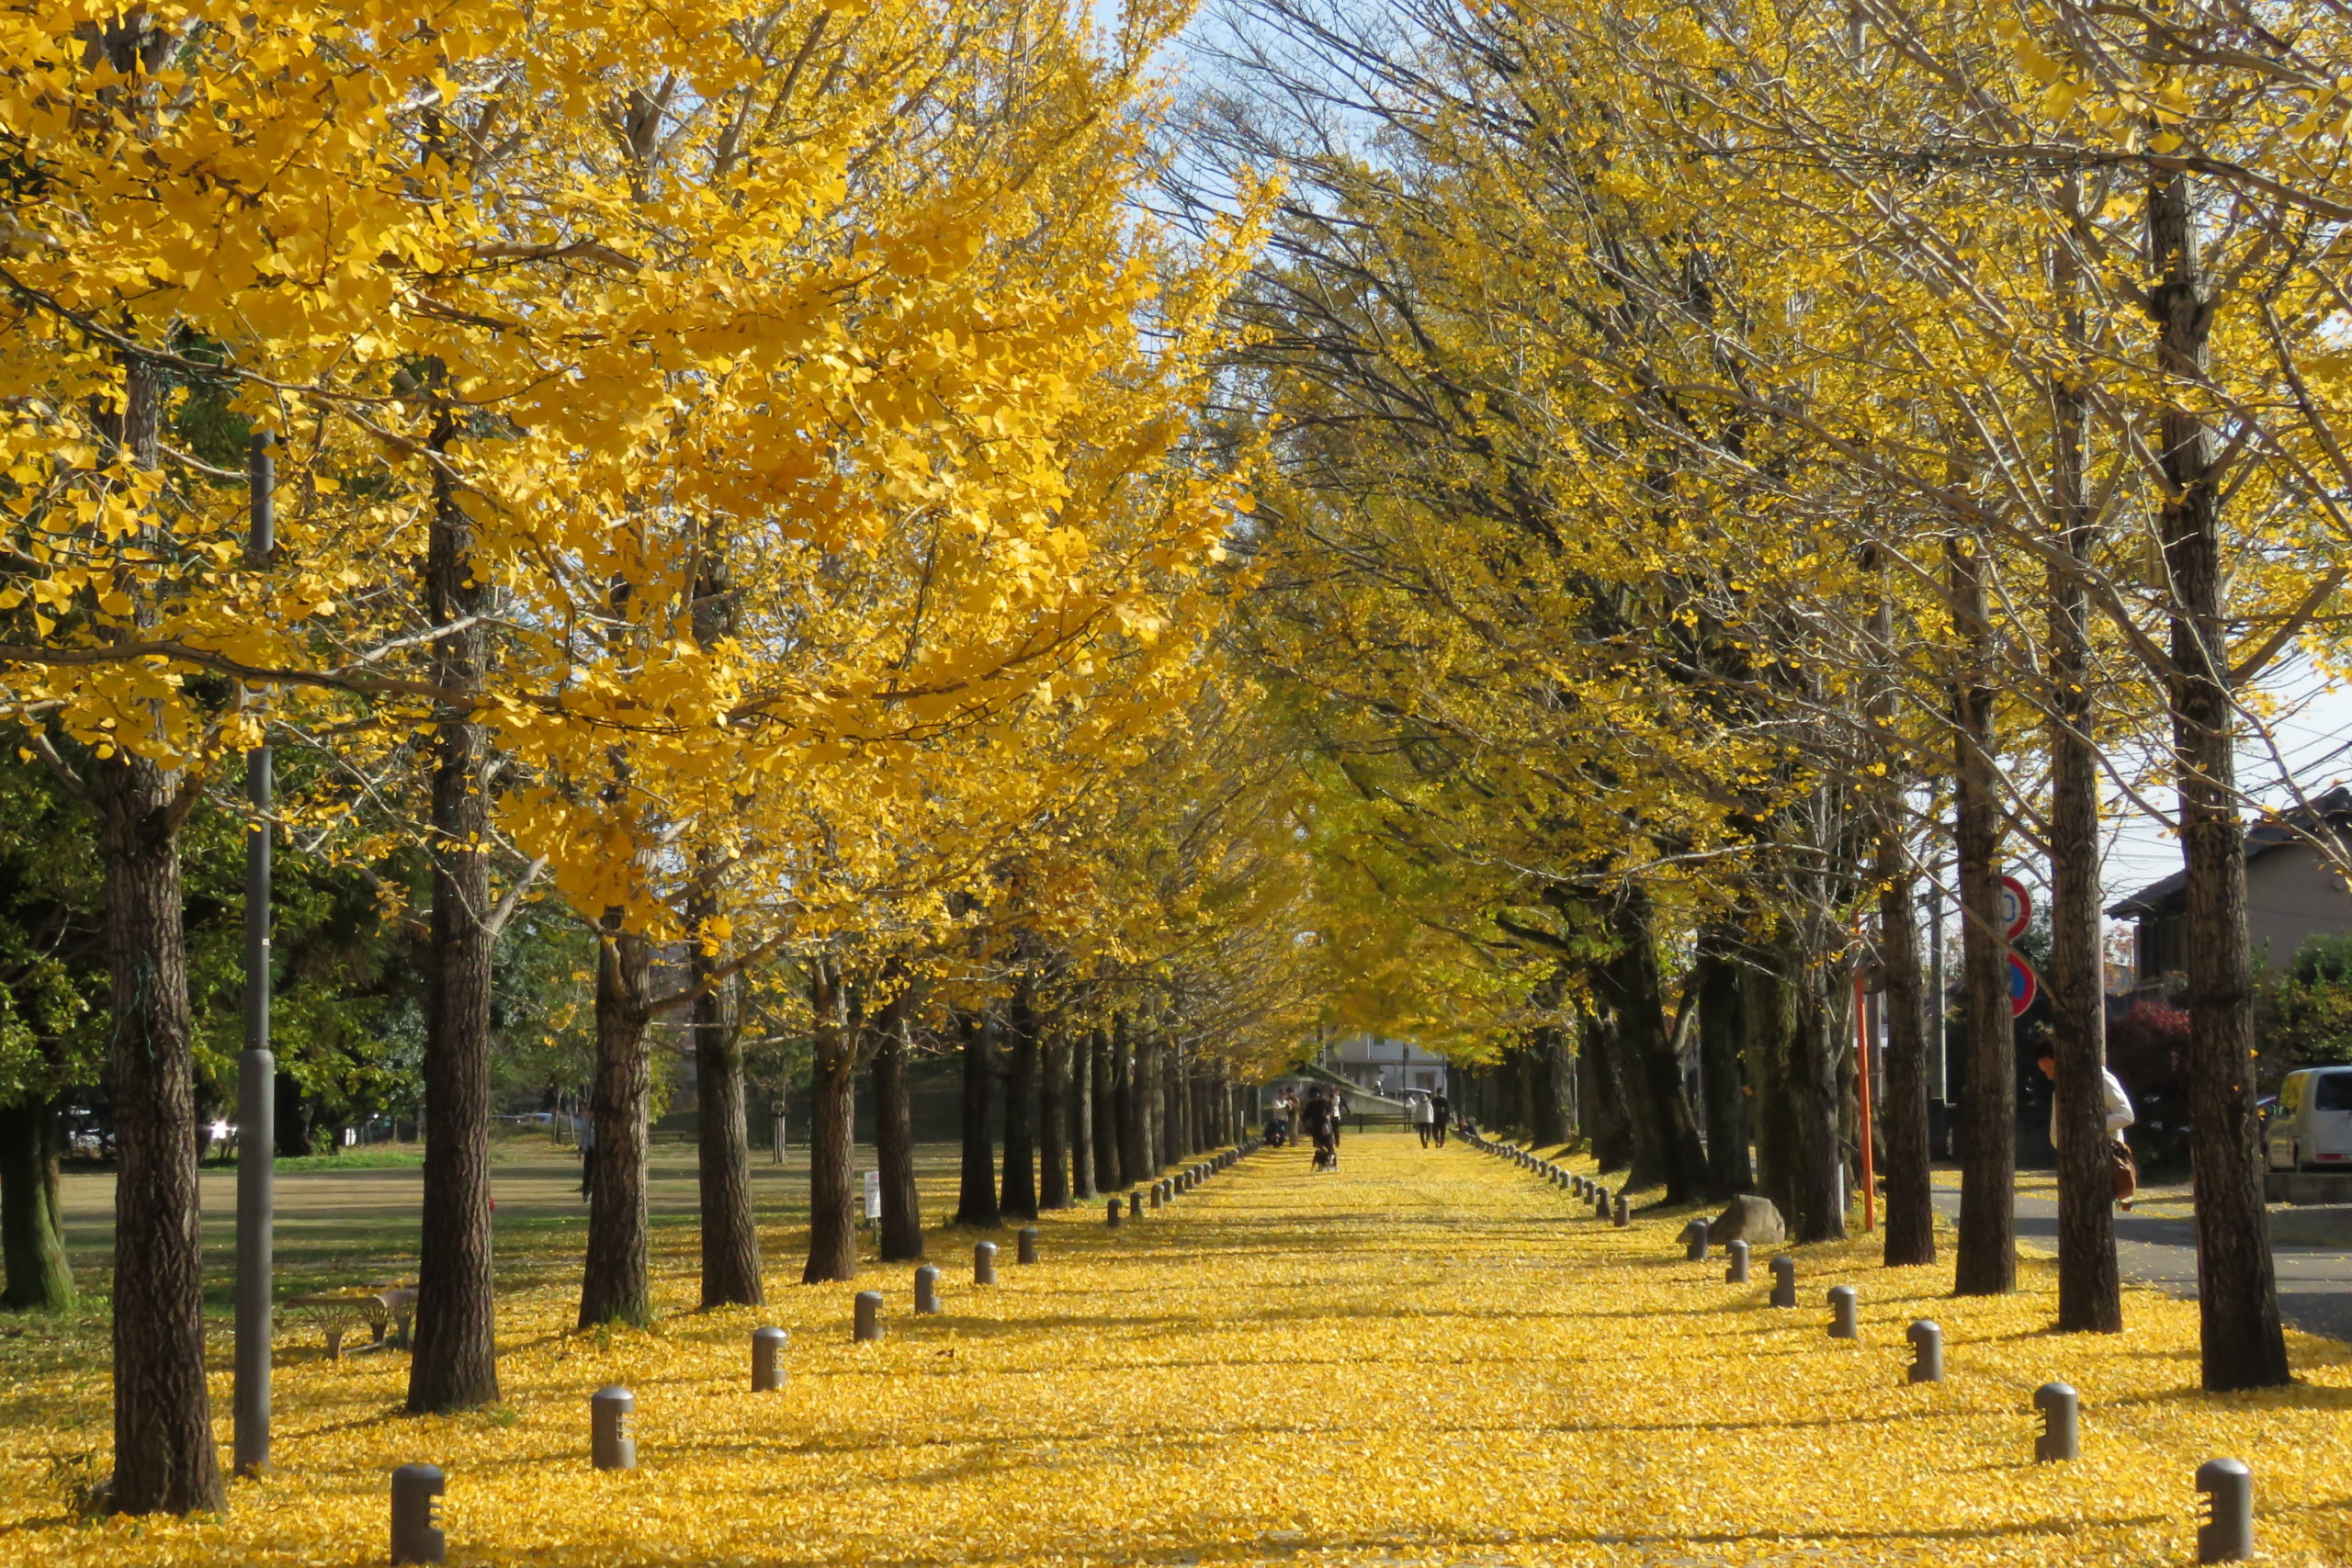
[(2156, 1244)]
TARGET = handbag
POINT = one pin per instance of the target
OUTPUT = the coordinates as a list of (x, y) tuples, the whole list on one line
[(2125, 1170)]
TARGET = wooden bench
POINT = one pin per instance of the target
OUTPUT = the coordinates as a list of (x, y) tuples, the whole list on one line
[(338, 1313)]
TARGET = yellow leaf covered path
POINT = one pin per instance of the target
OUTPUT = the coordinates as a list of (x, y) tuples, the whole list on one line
[(1430, 1357)]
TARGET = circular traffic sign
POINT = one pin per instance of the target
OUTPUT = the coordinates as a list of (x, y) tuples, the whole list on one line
[(2023, 985), (2017, 907)]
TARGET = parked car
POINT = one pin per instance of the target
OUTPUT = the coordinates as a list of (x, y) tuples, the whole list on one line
[(2311, 1127)]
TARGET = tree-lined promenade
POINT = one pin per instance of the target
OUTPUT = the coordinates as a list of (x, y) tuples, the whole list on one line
[(1430, 1357), (751, 554)]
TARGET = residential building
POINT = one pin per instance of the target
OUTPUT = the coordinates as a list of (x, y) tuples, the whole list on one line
[(2292, 891)]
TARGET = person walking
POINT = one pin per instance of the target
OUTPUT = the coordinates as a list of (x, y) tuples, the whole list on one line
[(1424, 1118), (1321, 1127), (587, 1138), (1441, 1111), (2115, 1107)]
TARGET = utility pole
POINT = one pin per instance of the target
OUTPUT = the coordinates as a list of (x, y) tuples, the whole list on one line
[(256, 1068)]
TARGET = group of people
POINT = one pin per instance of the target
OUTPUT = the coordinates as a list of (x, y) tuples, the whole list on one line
[(1318, 1119)]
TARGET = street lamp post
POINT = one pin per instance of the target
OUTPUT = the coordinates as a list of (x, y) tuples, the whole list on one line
[(256, 1068)]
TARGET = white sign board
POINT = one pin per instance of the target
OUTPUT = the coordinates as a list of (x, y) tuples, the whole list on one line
[(874, 1196)]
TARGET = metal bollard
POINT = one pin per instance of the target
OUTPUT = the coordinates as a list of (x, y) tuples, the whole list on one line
[(1695, 1234), (1113, 1215), (2227, 1534), (869, 1317), (927, 1289), (767, 1359), (1841, 1314), (984, 1264), (416, 1515), (1157, 1201), (1027, 1252), (2061, 1436), (1784, 1281), (1927, 1339), (1134, 1205), (1735, 1273), (612, 1411), (1600, 1201), (1622, 1216)]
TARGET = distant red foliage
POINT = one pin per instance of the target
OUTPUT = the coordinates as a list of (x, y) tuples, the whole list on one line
[(2148, 1049)]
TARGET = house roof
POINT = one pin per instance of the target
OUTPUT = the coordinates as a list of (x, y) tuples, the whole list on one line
[(2333, 809)]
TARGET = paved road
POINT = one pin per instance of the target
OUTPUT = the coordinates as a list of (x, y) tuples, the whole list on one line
[(2156, 1244)]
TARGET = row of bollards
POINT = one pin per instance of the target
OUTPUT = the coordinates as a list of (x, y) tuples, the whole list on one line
[(2225, 1536), (418, 1489)]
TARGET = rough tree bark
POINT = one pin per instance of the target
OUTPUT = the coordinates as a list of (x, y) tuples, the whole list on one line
[(975, 1194), (1680, 1161), (1987, 1263), (730, 1235), (1053, 1119), (165, 1460), (1768, 1026), (1019, 1196), (454, 1365), (1910, 1207), (40, 1278), (1142, 1086), (2237, 1301), (1608, 1124), (2090, 1285), (1815, 1055), (615, 1285), (894, 1137), (832, 1085), (1723, 1077), (1082, 1151), (1110, 1170)]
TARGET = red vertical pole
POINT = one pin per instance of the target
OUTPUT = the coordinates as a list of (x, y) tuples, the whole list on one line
[(1862, 1082)]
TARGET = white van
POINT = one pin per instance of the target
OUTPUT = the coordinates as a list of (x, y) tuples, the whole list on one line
[(2310, 1129)]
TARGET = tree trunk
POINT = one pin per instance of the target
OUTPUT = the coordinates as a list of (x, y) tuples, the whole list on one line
[(2237, 1300), (2090, 1287), (1910, 1196), (1680, 1161), (165, 1460), (1020, 1199), (1987, 1247), (1053, 1120), (894, 1137), (1170, 1100), (1611, 1129), (39, 1278), (975, 1195), (454, 1365), (1723, 1079), (1768, 1020), (1817, 1052), (292, 1116), (1110, 1170), (1082, 1152), (730, 1235), (1144, 1083), (832, 1083), (614, 1286)]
